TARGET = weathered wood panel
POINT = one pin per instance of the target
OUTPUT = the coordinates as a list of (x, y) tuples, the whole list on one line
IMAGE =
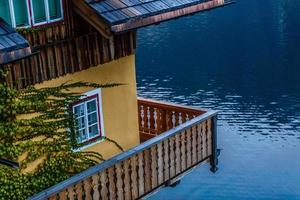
[(67, 47)]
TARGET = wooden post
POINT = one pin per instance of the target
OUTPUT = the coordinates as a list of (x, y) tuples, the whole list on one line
[(214, 156)]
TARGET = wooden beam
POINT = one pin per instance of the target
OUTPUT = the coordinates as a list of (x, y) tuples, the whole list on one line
[(87, 13)]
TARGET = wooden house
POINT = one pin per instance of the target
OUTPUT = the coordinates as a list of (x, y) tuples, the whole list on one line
[(95, 41)]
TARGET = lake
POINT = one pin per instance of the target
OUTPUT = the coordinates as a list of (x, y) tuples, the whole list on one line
[(244, 60)]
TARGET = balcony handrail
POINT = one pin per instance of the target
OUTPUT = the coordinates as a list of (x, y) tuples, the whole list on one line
[(120, 157), (163, 104)]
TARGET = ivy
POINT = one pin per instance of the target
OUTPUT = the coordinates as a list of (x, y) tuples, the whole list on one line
[(25, 31), (45, 140)]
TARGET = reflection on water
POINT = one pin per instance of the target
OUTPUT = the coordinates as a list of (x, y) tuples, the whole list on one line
[(244, 61)]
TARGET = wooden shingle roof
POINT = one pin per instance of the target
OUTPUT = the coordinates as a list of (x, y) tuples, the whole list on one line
[(12, 45), (123, 15)]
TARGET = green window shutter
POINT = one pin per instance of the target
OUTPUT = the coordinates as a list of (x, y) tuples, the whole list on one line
[(4, 11), (39, 12), (21, 12), (54, 9)]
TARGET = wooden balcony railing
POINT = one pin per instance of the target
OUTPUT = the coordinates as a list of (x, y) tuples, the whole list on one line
[(154, 163), (157, 117)]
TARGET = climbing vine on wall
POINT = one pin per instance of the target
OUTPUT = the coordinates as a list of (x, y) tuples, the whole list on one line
[(45, 140)]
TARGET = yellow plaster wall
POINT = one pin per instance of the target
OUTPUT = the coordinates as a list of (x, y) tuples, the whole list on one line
[(119, 103)]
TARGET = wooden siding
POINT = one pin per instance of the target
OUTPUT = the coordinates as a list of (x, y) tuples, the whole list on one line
[(67, 47), (139, 171)]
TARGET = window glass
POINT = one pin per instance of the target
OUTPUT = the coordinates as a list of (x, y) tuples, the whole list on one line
[(39, 12), (21, 12), (93, 130), (91, 106), (4, 11), (55, 9)]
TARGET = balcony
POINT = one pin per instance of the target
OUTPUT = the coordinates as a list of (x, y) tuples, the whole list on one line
[(174, 139)]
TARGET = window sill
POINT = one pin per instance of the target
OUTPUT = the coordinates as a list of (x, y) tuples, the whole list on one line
[(85, 146)]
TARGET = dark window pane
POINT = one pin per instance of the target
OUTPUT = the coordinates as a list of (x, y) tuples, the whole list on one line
[(55, 9), (21, 12), (79, 110), (92, 106), (39, 12), (92, 118), (93, 131), (4, 11)]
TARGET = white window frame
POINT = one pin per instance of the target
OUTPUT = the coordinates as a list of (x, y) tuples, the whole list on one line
[(48, 20), (12, 14), (97, 93)]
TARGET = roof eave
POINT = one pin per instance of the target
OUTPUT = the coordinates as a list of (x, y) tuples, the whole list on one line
[(13, 56), (155, 19)]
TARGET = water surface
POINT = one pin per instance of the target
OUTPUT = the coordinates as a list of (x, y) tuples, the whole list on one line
[(243, 60)]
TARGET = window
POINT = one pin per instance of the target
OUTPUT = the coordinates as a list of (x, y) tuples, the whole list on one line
[(88, 117), (16, 12)]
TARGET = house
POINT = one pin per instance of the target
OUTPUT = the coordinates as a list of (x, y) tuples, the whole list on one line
[(95, 40)]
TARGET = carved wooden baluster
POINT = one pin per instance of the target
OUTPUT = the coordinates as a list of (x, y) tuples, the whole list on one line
[(180, 119), (172, 157), (166, 165), (199, 143), (155, 119), (194, 145), (95, 183), (154, 173), (147, 166), (112, 185), (127, 185), (119, 184), (177, 154), (204, 140), (63, 195), (183, 150), (79, 191), (141, 174), (209, 137), (134, 177), (53, 197), (189, 147), (71, 193), (142, 116), (168, 120), (87, 189), (160, 163), (187, 117), (104, 189), (148, 117), (173, 119), (158, 121)]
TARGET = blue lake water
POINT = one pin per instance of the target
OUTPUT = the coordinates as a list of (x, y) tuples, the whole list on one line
[(243, 60)]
